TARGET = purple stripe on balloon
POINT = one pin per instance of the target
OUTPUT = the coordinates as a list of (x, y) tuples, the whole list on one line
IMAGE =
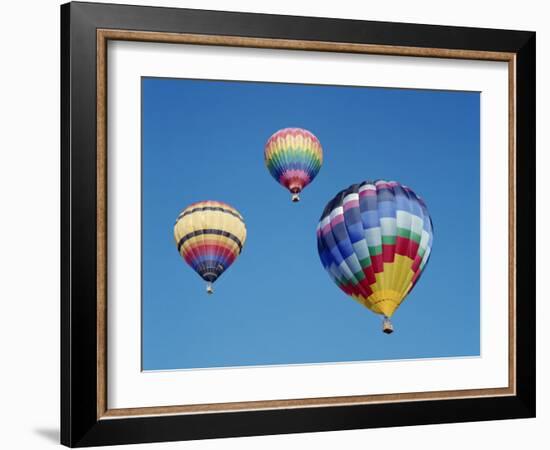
[(351, 204), (368, 193), (326, 229), (337, 219)]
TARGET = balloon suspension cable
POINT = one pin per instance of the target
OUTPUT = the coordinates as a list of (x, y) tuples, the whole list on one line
[(387, 326), (209, 288)]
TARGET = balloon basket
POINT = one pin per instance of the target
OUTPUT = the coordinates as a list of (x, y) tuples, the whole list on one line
[(387, 326), (209, 288), (295, 198)]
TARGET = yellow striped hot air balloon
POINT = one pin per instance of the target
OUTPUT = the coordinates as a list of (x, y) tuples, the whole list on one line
[(209, 236)]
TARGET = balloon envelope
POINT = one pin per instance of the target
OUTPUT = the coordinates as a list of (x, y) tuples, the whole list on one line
[(374, 239), (294, 157), (209, 236)]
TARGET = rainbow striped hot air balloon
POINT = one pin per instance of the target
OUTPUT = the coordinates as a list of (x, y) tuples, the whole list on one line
[(209, 236), (294, 157), (374, 239)]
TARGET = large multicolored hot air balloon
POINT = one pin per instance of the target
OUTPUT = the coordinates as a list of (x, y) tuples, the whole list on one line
[(294, 157), (374, 240), (209, 236)]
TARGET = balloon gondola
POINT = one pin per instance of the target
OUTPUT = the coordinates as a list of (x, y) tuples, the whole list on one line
[(209, 236), (374, 239)]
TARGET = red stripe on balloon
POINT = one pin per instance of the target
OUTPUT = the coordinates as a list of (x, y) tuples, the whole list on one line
[(377, 263), (212, 249), (388, 253), (406, 247), (346, 288), (413, 249), (369, 273), (365, 285), (416, 263)]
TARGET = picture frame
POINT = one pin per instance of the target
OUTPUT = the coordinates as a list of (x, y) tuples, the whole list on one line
[(86, 29)]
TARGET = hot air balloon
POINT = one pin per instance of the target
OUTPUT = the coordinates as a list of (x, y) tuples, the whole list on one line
[(374, 239), (293, 157), (209, 236)]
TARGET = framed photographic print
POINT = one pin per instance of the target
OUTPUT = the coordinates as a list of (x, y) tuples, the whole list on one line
[(276, 224)]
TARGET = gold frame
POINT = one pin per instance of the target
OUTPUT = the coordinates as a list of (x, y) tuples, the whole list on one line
[(103, 36)]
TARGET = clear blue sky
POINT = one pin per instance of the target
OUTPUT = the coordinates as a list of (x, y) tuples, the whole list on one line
[(276, 304)]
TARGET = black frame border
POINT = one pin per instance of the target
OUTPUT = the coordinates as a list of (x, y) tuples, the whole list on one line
[(79, 423)]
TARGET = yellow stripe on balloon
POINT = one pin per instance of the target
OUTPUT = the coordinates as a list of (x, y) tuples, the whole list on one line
[(397, 274), (207, 219)]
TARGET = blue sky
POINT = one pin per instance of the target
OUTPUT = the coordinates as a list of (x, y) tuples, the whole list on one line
[(276, 304)]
